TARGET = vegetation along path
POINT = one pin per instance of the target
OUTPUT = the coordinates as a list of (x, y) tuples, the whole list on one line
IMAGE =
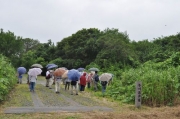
[(46, 100)]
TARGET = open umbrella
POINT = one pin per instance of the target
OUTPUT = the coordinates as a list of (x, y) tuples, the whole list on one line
[(49, 65), (37, 66), (21, 70), (65, 74), (52, 66), (34, 71), (59, 72), (64, 68), (73, 75), (93, 69), (80, 69), (105, 77)]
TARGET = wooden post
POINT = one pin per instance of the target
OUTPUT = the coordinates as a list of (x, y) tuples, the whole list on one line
[(138, 94)]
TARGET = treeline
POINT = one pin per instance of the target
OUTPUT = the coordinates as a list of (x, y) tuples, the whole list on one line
[(86, 47)]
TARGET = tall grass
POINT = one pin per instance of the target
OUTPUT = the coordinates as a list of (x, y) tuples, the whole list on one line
[(159, 86)]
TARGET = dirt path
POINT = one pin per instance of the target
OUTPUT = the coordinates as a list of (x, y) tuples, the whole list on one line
[(63, 102)]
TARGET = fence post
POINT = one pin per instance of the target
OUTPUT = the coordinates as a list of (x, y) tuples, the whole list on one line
[(138, 94)]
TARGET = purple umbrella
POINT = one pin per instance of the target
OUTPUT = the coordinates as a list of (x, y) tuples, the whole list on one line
[(80, 69), (49, 65), (73, 75), (52, 66), (21, 70)]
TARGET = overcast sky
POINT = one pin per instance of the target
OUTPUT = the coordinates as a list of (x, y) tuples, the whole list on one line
[(56, 19)]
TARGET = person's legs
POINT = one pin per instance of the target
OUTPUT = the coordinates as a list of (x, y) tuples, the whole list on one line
[(95, 85), (68, 84), (83, 87), (56, 86), (50, 83), (89, 85), (47, 82), (71, 89), (20, 80), (76, 89), (103, 89), (59, 84), (33, 86)]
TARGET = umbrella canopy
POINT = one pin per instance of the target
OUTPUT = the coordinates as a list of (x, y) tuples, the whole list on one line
[(52, 66), (73, 74), (64, 68), (37, 66), (49, 65), (65, 75), (93, 69), (21, 70), (105, 77), (80, 69), (59, 72), (34, 71)]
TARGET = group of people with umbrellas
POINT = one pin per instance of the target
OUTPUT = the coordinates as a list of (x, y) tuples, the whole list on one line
[(76, 78)]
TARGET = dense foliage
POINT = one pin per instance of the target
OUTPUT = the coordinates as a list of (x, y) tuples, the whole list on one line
[(7, 77)]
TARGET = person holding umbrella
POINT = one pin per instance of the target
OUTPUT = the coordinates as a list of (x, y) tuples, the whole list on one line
[(20, 72), (105, 78), (74, 76), (96, 80), (33, 77)]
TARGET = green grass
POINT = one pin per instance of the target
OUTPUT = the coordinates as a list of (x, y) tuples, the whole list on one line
[(15, 97)]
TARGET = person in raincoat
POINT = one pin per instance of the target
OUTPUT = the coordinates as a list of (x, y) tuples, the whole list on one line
[(83, 82)]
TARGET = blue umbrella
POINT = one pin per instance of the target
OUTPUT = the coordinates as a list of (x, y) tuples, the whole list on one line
[(49, 65), (21, 70), (73, 75), (80, 69), (52, 66)]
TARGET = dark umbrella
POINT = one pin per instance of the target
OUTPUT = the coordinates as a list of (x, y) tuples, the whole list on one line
[(21, 70)]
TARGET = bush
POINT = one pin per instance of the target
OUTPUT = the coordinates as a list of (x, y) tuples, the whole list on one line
[(7, 77)]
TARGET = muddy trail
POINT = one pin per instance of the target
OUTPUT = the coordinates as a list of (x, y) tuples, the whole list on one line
[(46, 100)]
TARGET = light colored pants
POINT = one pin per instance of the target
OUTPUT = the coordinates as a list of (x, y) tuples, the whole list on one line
[(57, 86), (50, 82), (75, 87), (20, 80)]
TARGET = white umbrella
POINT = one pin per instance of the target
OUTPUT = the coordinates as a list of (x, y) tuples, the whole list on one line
[(34, 71), (105, 77)]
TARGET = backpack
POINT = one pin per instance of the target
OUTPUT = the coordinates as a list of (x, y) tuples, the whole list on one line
[(48, 76), (96, 78), (103, 83)]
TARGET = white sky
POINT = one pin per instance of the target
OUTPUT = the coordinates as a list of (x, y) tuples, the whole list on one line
[(56, 19)]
